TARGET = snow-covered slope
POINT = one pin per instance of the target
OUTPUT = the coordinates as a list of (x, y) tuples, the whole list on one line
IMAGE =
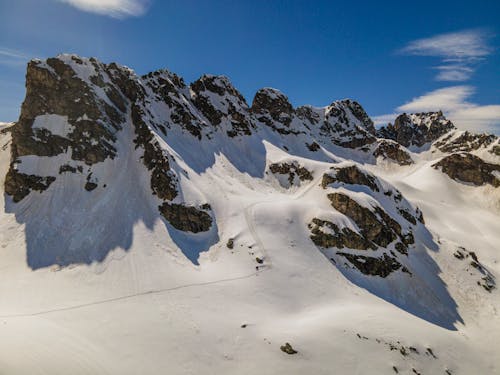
[(153, 226)]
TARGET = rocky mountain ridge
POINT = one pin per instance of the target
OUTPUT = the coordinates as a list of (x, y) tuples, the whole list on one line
[(76, 109), (120, 187)]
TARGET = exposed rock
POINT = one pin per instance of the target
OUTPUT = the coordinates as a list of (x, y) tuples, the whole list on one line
[(495, 150), (89, 186), (219, 101), (19, 185), (55, 88), (487, 280), (465, 142), (287, 348), (360, 114), (381, 230), (408, 216), (469, 168), (163, 181), (293, 170), (307, 113), (186, 218), (393, 151), (313, 146), (417, 129), (382, 266), (230, 243), (272, 103), (344, 128), (351, 175), (326, 234), (65, 168)]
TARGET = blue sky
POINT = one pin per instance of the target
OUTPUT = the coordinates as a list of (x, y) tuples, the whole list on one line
[(390, 56)]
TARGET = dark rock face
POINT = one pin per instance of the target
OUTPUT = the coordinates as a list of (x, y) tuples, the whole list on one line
[(417, 129), (163, 182), (351, 175), (469, 168), (19, 185), (292, 170), (168, 88), (313, 146), (360, 114), (54, 88), (373, 266), (271, 103), (228, 104), (89, 186), (186, 218), (495, 150), (307, 113), (338, 238), (377, 227), (57, 90), (465, 142), (66, 168), (339, 127), (288, 349), (393, 151)]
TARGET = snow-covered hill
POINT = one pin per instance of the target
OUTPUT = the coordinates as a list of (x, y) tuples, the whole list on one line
[(153, 226)]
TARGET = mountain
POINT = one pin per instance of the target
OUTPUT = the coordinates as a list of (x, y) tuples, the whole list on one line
[(154, 226)]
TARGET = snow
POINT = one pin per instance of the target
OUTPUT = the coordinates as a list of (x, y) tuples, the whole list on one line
[(56, 124), (144, 306)]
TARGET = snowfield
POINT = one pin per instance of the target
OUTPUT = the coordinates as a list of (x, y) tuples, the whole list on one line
[(146, 298)]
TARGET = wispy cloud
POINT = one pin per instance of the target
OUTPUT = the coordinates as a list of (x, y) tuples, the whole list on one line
[(459, 52), (384, 119), (455, 104), (12, 57), (446, 99), (113, 8)]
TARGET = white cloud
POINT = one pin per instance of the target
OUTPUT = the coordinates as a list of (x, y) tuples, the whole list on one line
[(454, 103), (446, 99), (454, 73), (459, 52), (13, 58), (384, 119), (113, 8)]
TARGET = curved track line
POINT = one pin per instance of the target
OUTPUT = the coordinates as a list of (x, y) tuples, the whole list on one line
[(129, 296)]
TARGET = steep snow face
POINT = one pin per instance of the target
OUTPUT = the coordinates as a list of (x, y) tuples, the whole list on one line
[(216, 232)]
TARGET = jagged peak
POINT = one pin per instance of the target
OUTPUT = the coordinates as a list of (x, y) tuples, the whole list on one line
[(417, 129), (165, 74), (271, 100), (218, 84), (272, 93), (427, 119)]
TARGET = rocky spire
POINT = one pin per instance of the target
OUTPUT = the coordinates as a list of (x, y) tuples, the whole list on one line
[(417, 129)]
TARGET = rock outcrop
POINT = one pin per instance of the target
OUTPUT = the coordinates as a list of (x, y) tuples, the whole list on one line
[(469, 168), (392, 151), (374, 266), (465, 142), (187, 219), (327, 234), (417, 129), (351, 175), (293, 172)]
